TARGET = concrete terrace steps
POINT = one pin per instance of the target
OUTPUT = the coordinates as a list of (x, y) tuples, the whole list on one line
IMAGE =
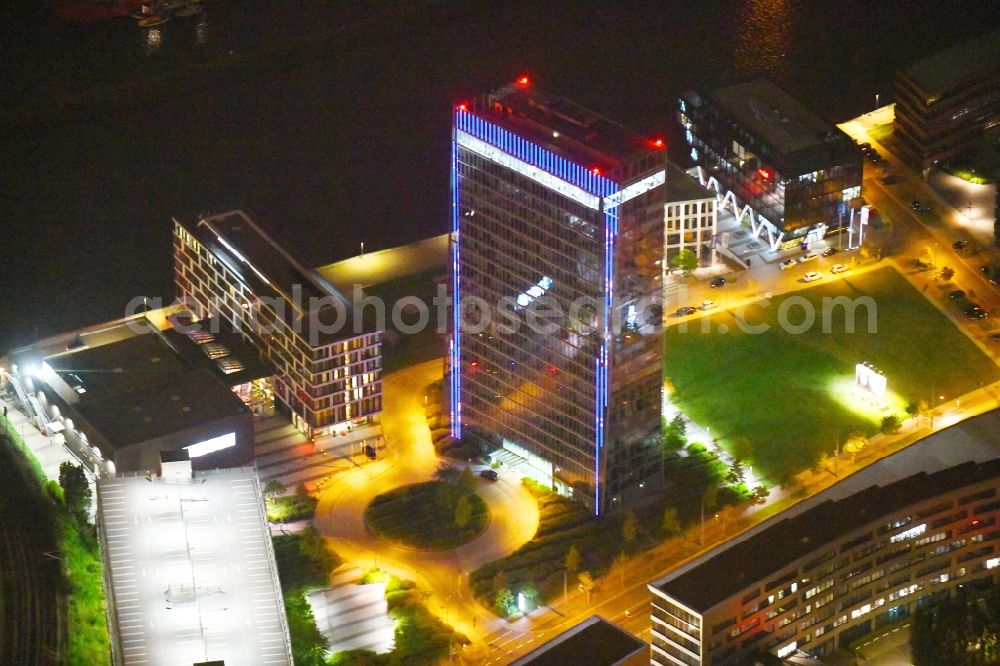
[(352, 616)]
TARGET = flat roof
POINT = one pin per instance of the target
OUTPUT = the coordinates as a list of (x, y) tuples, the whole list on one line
[(191, 569), (593, 642), (774, 116), (182, 402), (149, 385), (382, 266), (949, 459), (681, 186), (563, 126), (957, 64)]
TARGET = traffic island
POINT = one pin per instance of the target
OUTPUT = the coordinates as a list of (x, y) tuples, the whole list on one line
[(436, 515)]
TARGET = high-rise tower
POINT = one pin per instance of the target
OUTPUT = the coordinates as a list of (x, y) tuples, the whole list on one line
[(556, 354)]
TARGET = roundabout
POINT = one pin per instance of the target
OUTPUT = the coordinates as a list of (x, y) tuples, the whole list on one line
[(511, 512)]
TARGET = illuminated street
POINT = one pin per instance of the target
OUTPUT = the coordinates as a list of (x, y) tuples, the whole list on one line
[(410, 458)]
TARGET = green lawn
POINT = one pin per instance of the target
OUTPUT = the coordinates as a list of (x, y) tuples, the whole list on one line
[(792, 395), (425, 515)]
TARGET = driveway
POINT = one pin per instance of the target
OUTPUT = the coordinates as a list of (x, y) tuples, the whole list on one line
[(410, 458)]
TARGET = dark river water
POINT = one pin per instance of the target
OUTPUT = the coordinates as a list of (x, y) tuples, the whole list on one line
[(329, 121)]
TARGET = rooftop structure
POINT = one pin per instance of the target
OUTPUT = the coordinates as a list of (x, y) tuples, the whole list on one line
[(130, 390), (371, 269), (593, 642), (769, 551), (947, 103), (191, 570), (960, 64), (856, 557), (554, 205), (791, 174)]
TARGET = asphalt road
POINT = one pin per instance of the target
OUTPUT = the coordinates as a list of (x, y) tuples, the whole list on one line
[(411, 459)]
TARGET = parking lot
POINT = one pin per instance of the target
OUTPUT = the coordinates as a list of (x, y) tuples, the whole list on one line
[(191, 570)]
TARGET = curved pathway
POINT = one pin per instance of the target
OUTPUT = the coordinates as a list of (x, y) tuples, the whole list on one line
[(410, 458)]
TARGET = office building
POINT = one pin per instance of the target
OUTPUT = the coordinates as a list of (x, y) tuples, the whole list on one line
[(948, 103), (119, 395), (787, 174), (822, 579), (593, 642), (558, 210), (691, 219), (325, 351)]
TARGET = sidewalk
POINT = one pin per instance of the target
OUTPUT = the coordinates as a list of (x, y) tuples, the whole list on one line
[(48, 453)]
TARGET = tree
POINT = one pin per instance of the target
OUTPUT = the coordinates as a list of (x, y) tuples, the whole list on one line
[(503, 601), (959, 631), (947, 273), (573, 559), (855, 444), (273, 488), (586, 583), (463, 511), (891, 424), (675, 434), (736, 473), (630, 528), (671, 525), (679, 424), (686, 260), (619, 566), (759, 495), (76, 490), (467, 481)]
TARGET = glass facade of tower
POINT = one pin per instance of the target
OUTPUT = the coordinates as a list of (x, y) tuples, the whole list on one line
[(557, 339)]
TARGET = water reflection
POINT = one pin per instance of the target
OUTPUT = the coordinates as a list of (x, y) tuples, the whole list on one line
[(153, 41), (201, 29), (762, 38)]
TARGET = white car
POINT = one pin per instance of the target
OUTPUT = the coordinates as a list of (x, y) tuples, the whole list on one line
[(787, 263), (707, 305), (838, 268), (811, 276), (808, 257)]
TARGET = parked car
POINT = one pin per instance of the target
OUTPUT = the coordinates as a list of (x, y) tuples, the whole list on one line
[(838, 268), (787, 263), (829, 252), (916, 204), (686, 310), (975, 311), (808, 257), (956, 295), (891, 179), (489, 474), (865, 146), (811, 276), (995, 337), (717, 282), (707, 305), (960, 244)]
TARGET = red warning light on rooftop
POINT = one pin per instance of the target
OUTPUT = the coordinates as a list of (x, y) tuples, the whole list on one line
[(523, 81)]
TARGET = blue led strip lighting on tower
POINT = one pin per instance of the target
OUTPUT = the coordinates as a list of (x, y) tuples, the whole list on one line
[(456, 336), (534, 154)]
